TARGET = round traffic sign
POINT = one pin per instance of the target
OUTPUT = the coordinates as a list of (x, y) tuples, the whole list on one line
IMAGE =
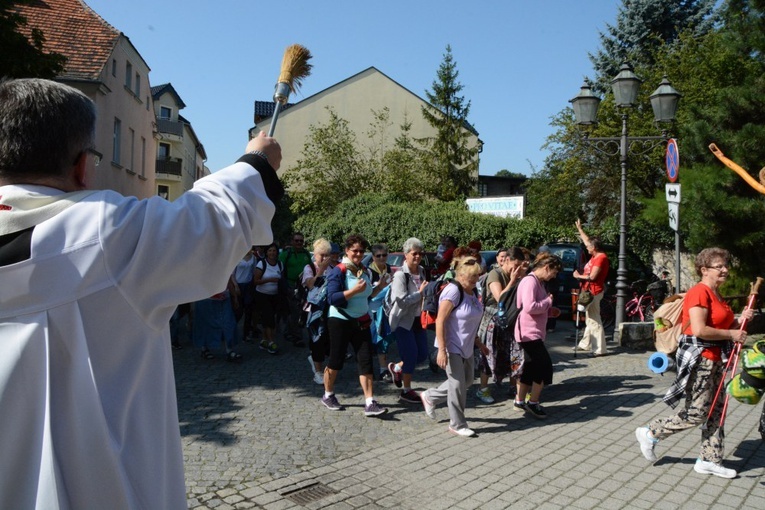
[(673, 160)]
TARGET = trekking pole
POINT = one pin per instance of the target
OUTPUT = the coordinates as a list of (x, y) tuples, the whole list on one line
[(733, 360), (295, 67)]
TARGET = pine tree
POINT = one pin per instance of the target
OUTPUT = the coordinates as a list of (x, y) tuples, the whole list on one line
[(454, 160)]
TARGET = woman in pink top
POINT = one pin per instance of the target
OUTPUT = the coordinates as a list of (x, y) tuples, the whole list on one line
[(593, 278), (530, 330)]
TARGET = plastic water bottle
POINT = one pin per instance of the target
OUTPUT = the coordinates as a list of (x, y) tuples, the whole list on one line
[(501, 317)]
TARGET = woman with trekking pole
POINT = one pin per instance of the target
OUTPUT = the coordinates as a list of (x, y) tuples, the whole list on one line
[(710, 332)]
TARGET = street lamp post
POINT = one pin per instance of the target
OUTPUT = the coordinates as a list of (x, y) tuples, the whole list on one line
[(625, 87)]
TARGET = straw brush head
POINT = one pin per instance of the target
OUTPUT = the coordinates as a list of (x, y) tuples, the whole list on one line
[(295, 66)]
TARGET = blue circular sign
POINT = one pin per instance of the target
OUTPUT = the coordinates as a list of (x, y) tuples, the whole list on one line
[(673, 160)]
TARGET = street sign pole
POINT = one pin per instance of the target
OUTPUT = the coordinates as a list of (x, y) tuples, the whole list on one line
[(672, 160)]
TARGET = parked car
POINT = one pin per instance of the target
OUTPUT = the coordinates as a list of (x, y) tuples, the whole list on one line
[(575, 256), (489, 257), (396, 260)]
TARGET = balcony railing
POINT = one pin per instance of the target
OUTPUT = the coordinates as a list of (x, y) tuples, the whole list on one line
[(171, 127), (170, 166)]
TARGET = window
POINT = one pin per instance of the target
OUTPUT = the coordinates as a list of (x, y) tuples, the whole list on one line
[(114, 67), (132, 149), (129, 75), (137, 85), (164, 151), (163, 191), (165, 112), (143, 156), (483, 189), (116, 141)]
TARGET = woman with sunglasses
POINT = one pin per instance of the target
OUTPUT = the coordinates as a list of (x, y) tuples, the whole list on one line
[(380, 271), (405, 297), (536, 305), (459, 315), (348, 288), (709, 331)]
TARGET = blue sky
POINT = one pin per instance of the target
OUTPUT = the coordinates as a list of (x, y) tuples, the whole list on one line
[(520, 61)]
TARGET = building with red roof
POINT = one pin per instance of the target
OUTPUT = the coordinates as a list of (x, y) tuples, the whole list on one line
[(104, 64)]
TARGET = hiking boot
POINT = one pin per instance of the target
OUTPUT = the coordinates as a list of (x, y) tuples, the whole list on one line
[(374, 409), (536, 411), (430, 408), (519, 406), (484, 395), (410, 396), (396, 376), (331, 403), (647, 443), (710, 468), (464, 432)]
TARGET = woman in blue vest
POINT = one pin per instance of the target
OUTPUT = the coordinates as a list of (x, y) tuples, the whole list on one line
[(349, 286)]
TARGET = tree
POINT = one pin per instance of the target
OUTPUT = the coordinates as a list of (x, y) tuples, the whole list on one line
[(576, 179), (331, 169), (454, 161), (641, 27), (23, 57), (722, 81), (507, 173)]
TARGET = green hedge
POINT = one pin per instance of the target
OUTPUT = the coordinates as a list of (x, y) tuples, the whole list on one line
[(380, 218)]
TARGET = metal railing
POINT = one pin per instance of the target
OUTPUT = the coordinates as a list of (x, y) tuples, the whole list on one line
[(172, 127), (172, 166)]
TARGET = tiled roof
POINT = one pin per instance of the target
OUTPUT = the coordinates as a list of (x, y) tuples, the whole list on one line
[(73, 29), (167, 87), (264, 109)]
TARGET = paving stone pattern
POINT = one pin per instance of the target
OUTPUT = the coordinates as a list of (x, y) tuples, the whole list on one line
[(255, 435)]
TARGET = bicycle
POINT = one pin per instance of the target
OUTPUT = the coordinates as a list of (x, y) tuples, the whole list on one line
[(638, 309)]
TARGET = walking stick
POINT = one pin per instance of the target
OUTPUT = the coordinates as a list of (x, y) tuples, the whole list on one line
[(295, 67), (755, 290)]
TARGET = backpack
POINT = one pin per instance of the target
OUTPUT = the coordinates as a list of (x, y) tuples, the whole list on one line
[(387, 304), (667, 326), (301, 291), (509, 302), (484, 288), (430, 296), (318, 302)]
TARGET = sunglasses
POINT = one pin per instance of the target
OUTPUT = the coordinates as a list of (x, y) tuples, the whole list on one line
[(356, 251), (378, 255)]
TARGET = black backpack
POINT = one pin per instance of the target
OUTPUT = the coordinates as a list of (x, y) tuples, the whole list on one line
[(509, 303)]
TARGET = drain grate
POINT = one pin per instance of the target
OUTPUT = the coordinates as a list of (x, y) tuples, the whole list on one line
[(309, 494)]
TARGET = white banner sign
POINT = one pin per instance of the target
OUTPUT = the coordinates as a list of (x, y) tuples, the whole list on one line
[(498, 206)]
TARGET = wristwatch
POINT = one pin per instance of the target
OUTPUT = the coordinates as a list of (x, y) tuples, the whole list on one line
[(259, 153)]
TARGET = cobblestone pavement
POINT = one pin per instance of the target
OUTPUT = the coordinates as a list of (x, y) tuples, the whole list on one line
[(256, 436)]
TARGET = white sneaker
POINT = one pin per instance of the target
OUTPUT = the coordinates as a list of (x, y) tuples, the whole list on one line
[(484, 395), (466, 432), (318, 378), (646, 443), (710, 468), (430, 409)]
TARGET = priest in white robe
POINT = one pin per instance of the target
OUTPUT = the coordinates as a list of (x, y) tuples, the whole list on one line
[(89, 281)]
